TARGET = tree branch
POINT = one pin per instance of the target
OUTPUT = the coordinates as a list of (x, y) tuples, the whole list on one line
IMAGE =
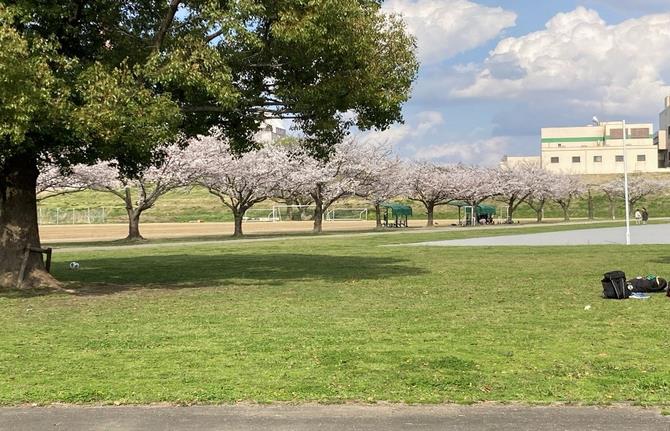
[(165, 25), (214, 35)]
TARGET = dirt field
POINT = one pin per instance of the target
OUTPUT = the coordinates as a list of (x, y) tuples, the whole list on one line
[(104, 232)]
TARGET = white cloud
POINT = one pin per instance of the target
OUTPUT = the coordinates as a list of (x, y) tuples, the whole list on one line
[(422, 124), (444, 28), (483, 152), (635, 5), (581, 62), (421, 138)]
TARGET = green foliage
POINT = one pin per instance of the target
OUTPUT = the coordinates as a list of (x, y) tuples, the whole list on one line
[(28, 88), (113, 79), (125, 118), (334, 320)]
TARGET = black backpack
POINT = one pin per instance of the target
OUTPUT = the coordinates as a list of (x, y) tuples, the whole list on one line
[(645, 285), (614, 285)]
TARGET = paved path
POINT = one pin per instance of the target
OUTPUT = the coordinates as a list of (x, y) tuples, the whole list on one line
[(333, 418), (648, 234)]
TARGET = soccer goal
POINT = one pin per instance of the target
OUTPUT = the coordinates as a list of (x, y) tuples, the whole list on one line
[(260, 214), (503, 214), (294, 212), (343, 214)]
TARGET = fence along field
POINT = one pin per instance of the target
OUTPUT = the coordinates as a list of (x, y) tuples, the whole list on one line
[(55, 216)]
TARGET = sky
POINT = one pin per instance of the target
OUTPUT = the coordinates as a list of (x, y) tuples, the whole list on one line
[(493, 72)]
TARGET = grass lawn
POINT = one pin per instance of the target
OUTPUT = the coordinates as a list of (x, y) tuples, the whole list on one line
[(339, 319)]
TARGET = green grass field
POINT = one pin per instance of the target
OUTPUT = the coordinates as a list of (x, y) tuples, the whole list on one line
[(336, 319)]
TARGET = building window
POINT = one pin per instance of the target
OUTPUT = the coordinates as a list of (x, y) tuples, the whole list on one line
[(619, 158), (597, 159), (554, 160), (639, 133), (616, 133), (641, 158), (576, 159)]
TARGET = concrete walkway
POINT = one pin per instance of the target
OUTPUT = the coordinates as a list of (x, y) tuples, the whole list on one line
[(333, 418), (647, 234)]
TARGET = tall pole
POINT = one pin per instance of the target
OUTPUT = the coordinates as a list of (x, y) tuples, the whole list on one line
[(625, 184)]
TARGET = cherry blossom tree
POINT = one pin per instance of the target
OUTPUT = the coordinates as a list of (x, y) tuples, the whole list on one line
[(294, 196), (430, 184), (240, 181), (53, 182), (168, 173), (341, 174), (474, 184), (385, 176), (541, 192), (638, 188), (515, 186), (565, 189)]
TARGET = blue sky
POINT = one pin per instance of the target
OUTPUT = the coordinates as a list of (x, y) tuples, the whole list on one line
[(494, 72)]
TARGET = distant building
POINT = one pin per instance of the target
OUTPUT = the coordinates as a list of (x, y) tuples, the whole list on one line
[(269, 134), (514, 161), (598, 148), (661, 137)]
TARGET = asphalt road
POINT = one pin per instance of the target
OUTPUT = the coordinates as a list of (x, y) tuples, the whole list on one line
[(647, 234), (333, 418)]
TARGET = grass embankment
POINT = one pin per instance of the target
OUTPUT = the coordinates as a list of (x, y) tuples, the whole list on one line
[(338, 319)]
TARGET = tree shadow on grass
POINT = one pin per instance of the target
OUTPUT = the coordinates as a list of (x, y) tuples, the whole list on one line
[(661, 259), (101, 276)]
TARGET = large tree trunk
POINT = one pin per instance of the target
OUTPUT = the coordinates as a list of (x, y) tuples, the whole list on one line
[(318, 216), (134, 225), (430, 210), (566, 212), (238, 214), (510, 211), (289, 208), (611, 209), (18, 226), (590, 214), (378, 216)]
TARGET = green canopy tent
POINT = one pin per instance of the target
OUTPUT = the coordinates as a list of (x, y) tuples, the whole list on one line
[(398, 212), (483, 211)]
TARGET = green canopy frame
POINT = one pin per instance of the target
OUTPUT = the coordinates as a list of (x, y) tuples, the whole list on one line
[(482, 210), (399, 212)]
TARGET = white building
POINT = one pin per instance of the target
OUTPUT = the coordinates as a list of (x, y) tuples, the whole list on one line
[(598, 149), (269, 134), (661, 137)]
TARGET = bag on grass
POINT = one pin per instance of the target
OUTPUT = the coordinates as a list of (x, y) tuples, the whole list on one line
[(614, 285), (648, 284)]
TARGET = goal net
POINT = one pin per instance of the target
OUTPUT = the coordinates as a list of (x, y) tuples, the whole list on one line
[(338, 214), (260, 214), (294, 212)]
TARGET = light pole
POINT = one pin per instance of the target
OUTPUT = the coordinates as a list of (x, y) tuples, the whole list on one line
[(625, 183), (625, 175)]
